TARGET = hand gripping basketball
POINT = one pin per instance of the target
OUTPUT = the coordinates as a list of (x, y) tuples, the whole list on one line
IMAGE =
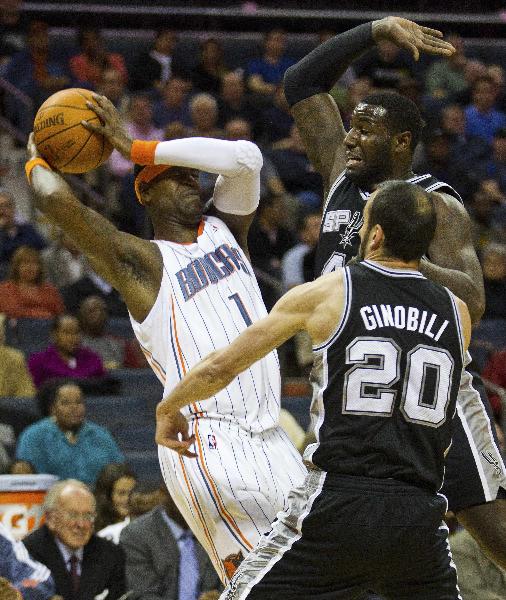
[(61, 138), (109, 124)]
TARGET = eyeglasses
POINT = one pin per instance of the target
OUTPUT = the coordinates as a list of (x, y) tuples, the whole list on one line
[(75, 516)]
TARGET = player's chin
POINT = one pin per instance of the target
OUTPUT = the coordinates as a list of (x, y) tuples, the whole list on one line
[(354, 171)]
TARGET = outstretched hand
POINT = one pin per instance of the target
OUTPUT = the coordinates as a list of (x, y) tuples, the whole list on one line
[(411, 36), (172, 432), (111, 124)]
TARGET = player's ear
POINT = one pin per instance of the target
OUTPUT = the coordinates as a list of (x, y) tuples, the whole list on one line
[(376, 238), (403, 141)]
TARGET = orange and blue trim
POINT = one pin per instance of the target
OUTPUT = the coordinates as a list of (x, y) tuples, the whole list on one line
[(206, 477), (154, 364), (218, 562)]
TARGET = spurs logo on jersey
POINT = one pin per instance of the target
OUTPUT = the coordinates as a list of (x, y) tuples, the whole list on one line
[(335, 218), (343, 218), (208, 295)]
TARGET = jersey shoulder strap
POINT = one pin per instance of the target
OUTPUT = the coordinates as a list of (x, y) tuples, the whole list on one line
[(431, 184)]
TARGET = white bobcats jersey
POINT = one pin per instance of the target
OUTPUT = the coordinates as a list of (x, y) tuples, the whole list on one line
[(208, 296)]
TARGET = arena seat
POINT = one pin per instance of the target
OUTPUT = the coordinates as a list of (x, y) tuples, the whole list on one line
[(134, 436), (487, 337), (120, 326), (105, 410), (145, 465), (19, 412), (29, 335), (141, 382), (298, 406)]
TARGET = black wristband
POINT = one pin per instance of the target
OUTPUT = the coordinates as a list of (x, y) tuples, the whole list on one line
[(320, 69)]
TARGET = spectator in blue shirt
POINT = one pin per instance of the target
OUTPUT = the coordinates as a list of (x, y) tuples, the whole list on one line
[(37, 71), (26, 575), (265, 73), (66, 444), (496, 166), (14, 235), (482, 118)]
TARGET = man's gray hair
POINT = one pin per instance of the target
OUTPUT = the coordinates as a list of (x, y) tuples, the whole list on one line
[(53, 495)]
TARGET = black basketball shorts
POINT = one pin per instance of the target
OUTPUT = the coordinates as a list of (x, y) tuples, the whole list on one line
[(342, 535)]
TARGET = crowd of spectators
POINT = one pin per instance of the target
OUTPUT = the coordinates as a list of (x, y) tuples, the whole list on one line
[(45, 277)]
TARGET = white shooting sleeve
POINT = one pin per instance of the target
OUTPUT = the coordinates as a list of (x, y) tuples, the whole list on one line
[(237, 189)]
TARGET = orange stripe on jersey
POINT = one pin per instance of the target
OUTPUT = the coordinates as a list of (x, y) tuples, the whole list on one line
[(200, 231), (153, 363), (202, 520), (198, 412), (224, 513)]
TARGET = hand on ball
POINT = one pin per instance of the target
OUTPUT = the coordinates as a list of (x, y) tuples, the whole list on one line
[(111, 124)]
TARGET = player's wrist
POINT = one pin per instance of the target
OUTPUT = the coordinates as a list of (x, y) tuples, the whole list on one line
[(379, 29), (34, 162), (143, 152)]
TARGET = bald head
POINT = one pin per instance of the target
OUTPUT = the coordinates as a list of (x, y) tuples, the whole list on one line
[(70, 511)]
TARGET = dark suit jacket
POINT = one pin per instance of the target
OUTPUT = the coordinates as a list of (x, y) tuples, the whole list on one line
[(103, 566), (152, 559)]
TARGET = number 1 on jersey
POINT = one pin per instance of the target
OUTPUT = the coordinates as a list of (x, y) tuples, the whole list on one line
[(242, 309)]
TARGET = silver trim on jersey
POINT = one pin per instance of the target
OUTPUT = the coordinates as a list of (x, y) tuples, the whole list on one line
[(345, 314), (439, 184), (403, 273), (286, 530), (478, 430), (459, 325), (333, 187)]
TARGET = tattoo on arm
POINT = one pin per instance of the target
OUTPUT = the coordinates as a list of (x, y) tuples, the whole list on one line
[(452, 258), (323, 133), (131, 265)]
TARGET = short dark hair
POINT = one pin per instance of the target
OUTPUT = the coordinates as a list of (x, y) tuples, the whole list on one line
[(48, 391), (402, 114), (407, 216)]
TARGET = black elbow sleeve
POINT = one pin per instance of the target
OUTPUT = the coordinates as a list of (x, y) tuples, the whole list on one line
[(320, 69), (297, 88)]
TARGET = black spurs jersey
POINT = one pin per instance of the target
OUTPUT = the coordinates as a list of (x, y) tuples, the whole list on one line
[(387, 379), (342, 219)]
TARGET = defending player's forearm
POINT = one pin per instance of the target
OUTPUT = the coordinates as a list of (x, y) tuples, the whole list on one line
[(460, 284), (320, 69), (201, 382)]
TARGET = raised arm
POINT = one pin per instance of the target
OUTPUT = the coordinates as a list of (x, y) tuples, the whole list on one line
[(315, 307), (131, 265), (237, 190), (452, 258), (308, 82)]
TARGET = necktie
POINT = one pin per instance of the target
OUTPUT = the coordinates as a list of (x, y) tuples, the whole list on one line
[(188, 568), (74, 574)]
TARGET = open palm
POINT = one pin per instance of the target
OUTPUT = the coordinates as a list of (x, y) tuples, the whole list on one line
[(411, 36)]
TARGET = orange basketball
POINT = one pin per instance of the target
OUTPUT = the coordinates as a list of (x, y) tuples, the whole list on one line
[(62, 140)]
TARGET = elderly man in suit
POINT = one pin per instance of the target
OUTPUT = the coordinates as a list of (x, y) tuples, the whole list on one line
[(163, 559), (84, 566)]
